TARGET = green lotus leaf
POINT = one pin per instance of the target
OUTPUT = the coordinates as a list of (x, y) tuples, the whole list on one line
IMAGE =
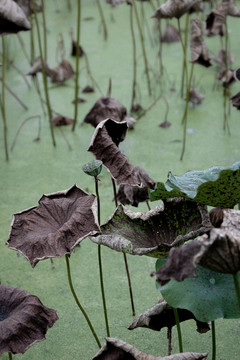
[(217, 186), (209, 296), (154, 233)]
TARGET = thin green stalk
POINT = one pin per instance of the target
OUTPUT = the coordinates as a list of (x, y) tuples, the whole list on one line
[(100, 262), (10, 356), (160, 41), (134, 81), (169, 337), (44, 30), (44, 76), (143, 47), (103, 19), (23, 47), (125, 256), (78, 302), (13, 94), (178, 330), (77, 64), (213, 340), (185, 115), (3, 101), (225, 122), (32, 44), (184, 46), (237, 287)]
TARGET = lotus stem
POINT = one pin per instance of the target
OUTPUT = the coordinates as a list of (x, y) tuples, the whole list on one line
[(178, 330), (90, 74), (148, 206), (44, 75), (78, 302), (160, 41), (100, 262), (102, 19), (44, 30), (23, 47), (69, 5), (3, 102), (169, 336), (10, 356), (143, 47), (213, 340), (32, 43), (184, 47), (185, 115), (77, 64), (13, 94), (150, 107), (21, 126), (125, 256), (134, 81), (225, 122), (237, 287)]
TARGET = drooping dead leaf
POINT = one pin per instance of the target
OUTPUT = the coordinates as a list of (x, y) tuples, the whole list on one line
[(155, 232), (220, 58), (24, 320), (62, 72), (133, 195), (61, 120), (12, 18), (88, 89), (218, 251), (104, 145), (199, 51), (105, 107), (115, 349), (54, 227), (162, 315), (235, 100), (170, 34), (226, 77), (174, 9), (195, 97)]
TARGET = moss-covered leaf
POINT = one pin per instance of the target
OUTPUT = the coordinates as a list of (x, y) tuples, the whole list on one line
[(217, 186)]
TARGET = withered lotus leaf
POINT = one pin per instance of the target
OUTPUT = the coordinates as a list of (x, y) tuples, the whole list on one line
[(115, 349), (154, 233), (62, 72), (104, 145), (170, 34), (218, 251), (24, 320), (227, 78), (195, 97), (115, 2), (54, 227), (215, 22), (162, 315), (88, 89), (37, 67), (235, 100), (220, 58), (173, 9), (12, 18), (199, 51), (132, 194), (104, 108), (61, 120)]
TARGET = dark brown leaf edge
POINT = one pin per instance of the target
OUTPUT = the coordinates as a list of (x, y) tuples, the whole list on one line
[(12, 18), (219, 250), (174, 9), (54, 227), (24, 320), (154, 232), (104, 108), (104, 145), (115, 349), (162, 315), (134, 195)]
